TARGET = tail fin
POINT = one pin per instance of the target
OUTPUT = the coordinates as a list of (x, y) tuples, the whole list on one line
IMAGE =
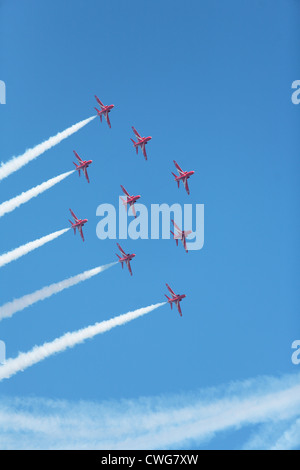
[(176, 239), (77, 166), (124, 203), (74, 228), (136, 146), (169, 301), (98, 112), (177, 181), (120, 259)]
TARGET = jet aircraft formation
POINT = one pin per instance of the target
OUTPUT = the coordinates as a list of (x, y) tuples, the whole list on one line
[(184, 176)]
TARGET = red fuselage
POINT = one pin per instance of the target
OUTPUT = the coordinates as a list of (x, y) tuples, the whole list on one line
[(186, 174), (105, 109), (177, 298), (132, 199), (80, 223), (127, 258), (143, 140), (85, 164)]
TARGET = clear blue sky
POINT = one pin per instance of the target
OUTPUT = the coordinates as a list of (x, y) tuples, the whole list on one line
[(211, 82)]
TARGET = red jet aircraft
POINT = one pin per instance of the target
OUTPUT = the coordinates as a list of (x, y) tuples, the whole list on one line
[(142, 142), (78, 224), (125, 258), (175, 298), (83, 165), (181, 235), (183, 176), (131, 200), (105, 110)]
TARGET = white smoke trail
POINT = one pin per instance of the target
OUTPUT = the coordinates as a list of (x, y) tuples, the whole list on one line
[(69, 340), (17, 201), (17, 305), (16, 163), (25, 249)]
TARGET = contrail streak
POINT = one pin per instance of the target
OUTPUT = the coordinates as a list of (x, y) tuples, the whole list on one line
[(69, 340), (17, 201), (25, 249), (16, 163), (17, 305)]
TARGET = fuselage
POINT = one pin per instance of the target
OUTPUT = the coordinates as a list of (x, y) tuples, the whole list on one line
[(177, 298), (127, 258), (106, 109), (142, 141), (185, 175), (85, 164), (131, 200), (80, 223)]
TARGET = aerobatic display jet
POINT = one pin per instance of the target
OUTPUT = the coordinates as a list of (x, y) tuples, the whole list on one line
[(142, 142), (183, 176), (125, 258), (131, 200), (176, 299), (181, 235), (82, 165), (78, 224), (104, 111)]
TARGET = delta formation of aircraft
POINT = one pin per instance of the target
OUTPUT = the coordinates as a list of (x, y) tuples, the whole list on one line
[(183, 176)]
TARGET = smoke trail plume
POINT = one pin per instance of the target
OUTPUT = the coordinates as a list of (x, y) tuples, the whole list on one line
[(25, 249), (69, 340), (17, 305), (17, 201), (16, 163)]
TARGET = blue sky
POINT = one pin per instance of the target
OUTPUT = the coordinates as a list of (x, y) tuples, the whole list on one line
[(211, 83)]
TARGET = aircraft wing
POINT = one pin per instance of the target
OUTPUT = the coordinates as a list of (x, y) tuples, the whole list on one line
[(179, 308), (124, 191), (133, 210), (185, 182), (78, 157), (170, 290), (99, 102), (73, 215), (107, 120), (121, 249), (129, 267), (136, 133), (86, 175), (176, 226), (81, 232), (178, 167), (184, 244), (144, 151)]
